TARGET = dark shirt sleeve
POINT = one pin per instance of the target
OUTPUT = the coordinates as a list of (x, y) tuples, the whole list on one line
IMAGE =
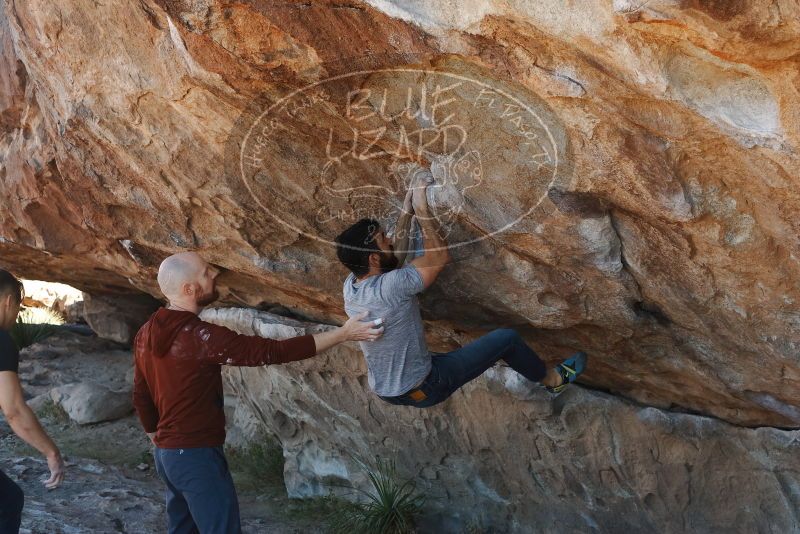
[(142, 398), (143, 401), (9, 355), (224, 346)]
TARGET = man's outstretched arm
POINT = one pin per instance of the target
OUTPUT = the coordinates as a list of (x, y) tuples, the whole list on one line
[(436, 254), (25, 425), (224, 346), (353, 330)]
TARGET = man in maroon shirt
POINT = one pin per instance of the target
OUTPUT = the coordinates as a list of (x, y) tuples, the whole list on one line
[(178, 391)]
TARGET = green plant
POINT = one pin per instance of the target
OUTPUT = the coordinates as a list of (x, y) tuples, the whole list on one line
[(145, 457), (390, 508), (259, 462), (34, 325)]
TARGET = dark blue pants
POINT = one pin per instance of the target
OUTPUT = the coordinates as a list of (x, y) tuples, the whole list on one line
[(451, 370), (11, 501), (201, 498)]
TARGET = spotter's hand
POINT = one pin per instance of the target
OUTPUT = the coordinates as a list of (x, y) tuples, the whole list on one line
[(358, 330)]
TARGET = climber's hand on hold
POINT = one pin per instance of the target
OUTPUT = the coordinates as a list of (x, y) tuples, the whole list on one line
[(435, 254)]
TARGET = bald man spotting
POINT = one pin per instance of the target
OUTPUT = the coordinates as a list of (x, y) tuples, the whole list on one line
[(178, 391), (185, 269)]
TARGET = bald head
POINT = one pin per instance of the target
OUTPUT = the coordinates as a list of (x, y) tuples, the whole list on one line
[(177, 270)]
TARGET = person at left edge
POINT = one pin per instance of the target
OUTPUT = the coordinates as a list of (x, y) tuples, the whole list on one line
[(18, 414)]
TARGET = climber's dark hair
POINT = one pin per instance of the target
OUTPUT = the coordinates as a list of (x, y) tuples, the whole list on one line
[(354, 245), (9, 285)]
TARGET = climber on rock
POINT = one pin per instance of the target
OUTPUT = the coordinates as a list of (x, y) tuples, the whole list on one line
[(18, 414), (178, 391), (401, 370)]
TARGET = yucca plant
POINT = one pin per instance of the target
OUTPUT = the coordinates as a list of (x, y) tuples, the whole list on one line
[(34, 325), (390, 508)]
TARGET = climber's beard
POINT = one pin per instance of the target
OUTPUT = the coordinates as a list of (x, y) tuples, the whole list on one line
[(388, 262)]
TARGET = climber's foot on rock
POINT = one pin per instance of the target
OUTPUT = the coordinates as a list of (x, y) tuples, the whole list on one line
[(565, 373)]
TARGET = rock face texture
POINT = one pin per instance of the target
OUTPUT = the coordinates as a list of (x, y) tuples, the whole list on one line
[(622, 177), (616, 176), (502, 455), (119, 316), (619, 177), (89, 402)]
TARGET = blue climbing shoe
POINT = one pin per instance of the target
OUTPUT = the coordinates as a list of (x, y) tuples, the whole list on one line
[(569, 370)]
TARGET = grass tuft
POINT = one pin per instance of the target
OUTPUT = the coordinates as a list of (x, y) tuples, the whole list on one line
[(259, 463), (53, 412)]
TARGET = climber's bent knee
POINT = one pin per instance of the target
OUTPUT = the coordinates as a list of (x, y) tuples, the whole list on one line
[(506, 334)]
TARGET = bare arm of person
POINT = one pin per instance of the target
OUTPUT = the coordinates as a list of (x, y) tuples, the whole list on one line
[(223, 346), (25, 425), (436, 254), (353, 330), (402, 229)]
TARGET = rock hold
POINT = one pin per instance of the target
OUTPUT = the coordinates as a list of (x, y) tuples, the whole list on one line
[(118, 317)]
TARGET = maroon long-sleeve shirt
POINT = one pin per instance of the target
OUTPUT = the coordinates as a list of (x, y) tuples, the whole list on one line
[(177, 387)]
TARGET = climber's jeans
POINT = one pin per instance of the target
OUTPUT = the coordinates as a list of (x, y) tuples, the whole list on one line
[(451, 370), (11, 501), (200, 493)]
